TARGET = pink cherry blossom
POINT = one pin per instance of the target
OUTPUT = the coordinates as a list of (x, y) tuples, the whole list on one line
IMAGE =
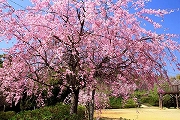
[(82, 45)]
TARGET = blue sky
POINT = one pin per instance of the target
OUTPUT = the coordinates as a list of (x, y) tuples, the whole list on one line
[(171, 23)]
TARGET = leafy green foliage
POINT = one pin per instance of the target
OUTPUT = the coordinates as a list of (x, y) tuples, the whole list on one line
[(152, 97), (169, 101), (57, 112), (115, 103), (178, 77), (142, 96), (147, 97), (130, 103), (6, 115), (28, 102)]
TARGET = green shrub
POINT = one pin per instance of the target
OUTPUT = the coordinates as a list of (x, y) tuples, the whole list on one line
[(6, 115), (168, 101), (152, 97), (147, 97), (81, 112), (115, 103), (130, 103), (142, 96), (28, 102), (57, 112)]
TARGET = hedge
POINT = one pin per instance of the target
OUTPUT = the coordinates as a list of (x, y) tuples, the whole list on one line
[(57, 112)]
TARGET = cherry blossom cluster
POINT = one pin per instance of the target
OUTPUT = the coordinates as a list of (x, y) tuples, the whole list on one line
[(82, 44)]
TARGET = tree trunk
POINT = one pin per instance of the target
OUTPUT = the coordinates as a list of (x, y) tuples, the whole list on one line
[(74, 101), (160, 101), (177, 103), (91, 107)]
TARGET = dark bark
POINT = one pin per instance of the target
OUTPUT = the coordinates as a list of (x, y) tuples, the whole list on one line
[(90, 107), (74, 101)]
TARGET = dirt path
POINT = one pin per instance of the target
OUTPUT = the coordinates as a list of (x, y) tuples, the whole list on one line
[(146, 113)]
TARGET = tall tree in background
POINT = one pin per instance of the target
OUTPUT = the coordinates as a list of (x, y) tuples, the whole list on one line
[(82, 44)]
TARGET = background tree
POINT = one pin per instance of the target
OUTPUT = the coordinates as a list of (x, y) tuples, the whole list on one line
[(82, 45), (178, 76)]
